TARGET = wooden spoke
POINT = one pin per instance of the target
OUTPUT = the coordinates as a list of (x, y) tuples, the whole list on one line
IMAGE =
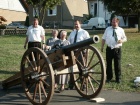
[(39, 91), (34, 61), (86, 57), (46, 84), (95, 80), (82, 83), (43, 89), (94, 65), (78, 62), (41, 69), (29, 87), (82, 58), (30, 63), (91, 59), (91, 85), (86, 86), (38, 63), (35, 91)]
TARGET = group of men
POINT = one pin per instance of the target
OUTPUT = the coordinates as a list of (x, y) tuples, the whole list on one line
[(113, 36)]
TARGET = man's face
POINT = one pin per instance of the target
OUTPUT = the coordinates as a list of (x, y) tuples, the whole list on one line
[(115, 22), (77, 25), (35, 23)]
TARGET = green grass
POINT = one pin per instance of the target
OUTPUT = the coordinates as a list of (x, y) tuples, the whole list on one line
[(11, 52)]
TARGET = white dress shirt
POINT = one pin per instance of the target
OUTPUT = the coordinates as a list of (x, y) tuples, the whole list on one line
[(109, 38), (81, 35), (34, 34)]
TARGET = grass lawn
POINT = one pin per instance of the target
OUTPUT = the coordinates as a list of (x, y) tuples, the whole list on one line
[(11, 52)]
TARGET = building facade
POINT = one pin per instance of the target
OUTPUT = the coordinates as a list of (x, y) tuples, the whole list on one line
[(63, 16), (12, 10)]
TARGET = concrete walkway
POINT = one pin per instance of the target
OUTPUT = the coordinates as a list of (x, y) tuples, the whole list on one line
[(16, 96)]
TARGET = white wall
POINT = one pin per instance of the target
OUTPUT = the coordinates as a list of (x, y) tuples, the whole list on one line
[(11, 5)]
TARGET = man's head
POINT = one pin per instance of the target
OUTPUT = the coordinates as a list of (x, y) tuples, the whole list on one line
[(115, 22), (77, 24), (35, 22)]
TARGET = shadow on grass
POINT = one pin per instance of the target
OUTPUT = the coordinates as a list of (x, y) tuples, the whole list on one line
[(139, 48), (7, 72)]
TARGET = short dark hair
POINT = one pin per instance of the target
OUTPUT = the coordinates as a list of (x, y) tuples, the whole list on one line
[(35, 19), (78, 21)]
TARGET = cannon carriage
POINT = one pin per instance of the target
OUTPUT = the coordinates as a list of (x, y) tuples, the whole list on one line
[(38, 68)]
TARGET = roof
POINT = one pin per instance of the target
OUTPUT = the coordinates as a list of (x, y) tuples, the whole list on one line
[(25, 5)]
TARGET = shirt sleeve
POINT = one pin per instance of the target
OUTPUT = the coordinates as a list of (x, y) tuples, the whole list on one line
[(104, 35), (27, 33), (69, 38), (42, 31), (124, 38), (87, 35)]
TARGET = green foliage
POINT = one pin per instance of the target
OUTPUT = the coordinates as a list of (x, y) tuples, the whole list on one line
[(89, 16), (2, 26), (122, 6), (43, 5)]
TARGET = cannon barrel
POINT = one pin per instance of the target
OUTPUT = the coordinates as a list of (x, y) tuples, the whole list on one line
[(92, 40), (72, 47)]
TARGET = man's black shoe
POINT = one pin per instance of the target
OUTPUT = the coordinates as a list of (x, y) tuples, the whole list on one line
[(70, 88), (118, 81)]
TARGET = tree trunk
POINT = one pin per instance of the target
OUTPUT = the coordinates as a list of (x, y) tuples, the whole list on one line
[(138, 21), (43, 16)]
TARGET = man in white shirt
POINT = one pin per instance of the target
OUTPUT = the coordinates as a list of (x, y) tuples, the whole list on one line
[(35, 35), (113, 36), (77, 35)]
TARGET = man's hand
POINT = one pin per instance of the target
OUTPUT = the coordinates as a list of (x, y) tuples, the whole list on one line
[(43, 46), (119, 41)]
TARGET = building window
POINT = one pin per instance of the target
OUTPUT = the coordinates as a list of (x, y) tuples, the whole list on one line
[(52, 12), (35, 12), (95, 9)]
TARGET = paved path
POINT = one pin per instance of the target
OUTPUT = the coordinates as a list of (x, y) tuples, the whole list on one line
[(16, 96)]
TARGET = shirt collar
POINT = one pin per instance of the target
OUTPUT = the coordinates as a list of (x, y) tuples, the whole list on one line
[(63, 40), (35, 27), (115, 27)]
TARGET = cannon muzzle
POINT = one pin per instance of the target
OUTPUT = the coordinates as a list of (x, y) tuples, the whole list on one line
[(92, 40)]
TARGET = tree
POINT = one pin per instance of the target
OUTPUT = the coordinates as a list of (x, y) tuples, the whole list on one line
[(124, 8), (40, 6), (27, 21)]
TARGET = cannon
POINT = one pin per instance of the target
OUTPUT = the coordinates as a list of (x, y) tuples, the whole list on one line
[(38, 68)]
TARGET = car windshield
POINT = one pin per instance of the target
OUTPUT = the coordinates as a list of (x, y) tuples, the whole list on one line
[(85, 22)]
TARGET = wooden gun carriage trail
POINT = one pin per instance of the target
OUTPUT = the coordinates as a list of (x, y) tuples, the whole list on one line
[(38, 68)]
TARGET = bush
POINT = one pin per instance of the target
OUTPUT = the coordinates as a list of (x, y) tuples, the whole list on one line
[(2, 26)]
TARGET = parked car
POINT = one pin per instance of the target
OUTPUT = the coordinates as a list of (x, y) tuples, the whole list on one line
[(94, 23), (16, 25)]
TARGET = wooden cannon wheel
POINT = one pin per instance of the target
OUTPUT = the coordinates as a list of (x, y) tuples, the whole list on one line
[(37, 76), (91, 78)]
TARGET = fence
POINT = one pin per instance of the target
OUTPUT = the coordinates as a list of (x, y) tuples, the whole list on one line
[(12, 31)]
